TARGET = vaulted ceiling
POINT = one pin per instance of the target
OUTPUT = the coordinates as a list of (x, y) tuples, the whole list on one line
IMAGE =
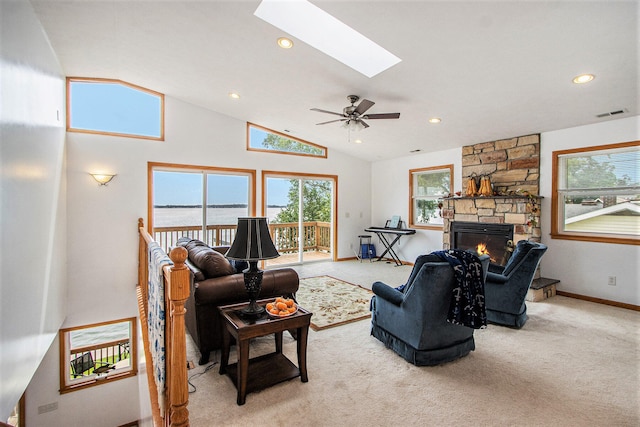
[(488, 69)]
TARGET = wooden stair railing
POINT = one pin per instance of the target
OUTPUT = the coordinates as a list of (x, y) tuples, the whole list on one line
[(177, 283)]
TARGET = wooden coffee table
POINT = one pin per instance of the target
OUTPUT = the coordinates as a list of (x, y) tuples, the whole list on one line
[(261, 372)]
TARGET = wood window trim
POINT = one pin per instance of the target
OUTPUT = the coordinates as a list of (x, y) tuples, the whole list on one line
[(412, 223), (123, 83), (295, 175), (65, 361), (175, 167), (556, 232), (292, 153)]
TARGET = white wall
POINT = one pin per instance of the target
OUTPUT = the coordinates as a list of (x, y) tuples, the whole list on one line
[(102, 233), (390, 196), (584, 267), (32, 194)]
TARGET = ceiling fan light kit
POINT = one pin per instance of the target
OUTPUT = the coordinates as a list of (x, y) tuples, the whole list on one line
[(353, 115)]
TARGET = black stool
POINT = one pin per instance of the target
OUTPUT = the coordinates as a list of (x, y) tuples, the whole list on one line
[(365, 239)]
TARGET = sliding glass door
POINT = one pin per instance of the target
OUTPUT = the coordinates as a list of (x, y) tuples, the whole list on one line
[(301, 216)]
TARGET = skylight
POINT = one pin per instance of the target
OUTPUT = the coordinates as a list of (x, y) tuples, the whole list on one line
[(312, 25)]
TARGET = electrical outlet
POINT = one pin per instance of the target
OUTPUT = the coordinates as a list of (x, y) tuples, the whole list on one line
[(612, 281)]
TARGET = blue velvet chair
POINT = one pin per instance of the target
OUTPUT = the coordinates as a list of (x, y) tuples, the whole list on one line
[(506, 287), (413, 321)]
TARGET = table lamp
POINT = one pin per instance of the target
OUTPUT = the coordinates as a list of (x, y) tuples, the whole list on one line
[(252, 243)]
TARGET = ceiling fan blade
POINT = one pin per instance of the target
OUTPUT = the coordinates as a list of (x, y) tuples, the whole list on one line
[(363, 123), (382, 116), (325, 111), (331, 121), (364, 105)]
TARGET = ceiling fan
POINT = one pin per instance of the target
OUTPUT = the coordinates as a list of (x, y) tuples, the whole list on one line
[(353, 116)]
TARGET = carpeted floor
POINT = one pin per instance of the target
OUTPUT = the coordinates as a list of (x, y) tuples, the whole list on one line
[(574, 363)]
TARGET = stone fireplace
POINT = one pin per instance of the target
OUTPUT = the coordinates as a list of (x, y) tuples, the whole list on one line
[(513, 166)]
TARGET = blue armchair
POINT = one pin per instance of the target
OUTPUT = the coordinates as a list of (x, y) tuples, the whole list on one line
[(506, 287), (413, 321)]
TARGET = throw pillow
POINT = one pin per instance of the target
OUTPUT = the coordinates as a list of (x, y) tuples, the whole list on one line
[(212, 263)]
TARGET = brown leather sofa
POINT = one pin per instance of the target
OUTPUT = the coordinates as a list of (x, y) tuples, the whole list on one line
[(218, 281)]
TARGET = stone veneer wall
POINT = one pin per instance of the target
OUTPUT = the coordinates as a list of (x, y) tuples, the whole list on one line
[(513, 165)]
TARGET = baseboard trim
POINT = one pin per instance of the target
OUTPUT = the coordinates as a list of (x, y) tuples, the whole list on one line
[(599, 300)]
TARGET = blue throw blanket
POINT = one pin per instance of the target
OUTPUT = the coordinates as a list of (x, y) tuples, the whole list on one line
[(156, 321), (467, 306)]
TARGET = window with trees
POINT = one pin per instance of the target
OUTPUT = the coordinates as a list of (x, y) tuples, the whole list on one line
[(596, 193), (114, 107), (97, 353), (427, 187), (263, 139)]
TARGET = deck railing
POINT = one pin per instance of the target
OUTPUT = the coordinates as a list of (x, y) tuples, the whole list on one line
[(316, 234), (108, 353)]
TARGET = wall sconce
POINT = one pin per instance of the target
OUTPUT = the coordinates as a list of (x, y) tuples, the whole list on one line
[(102, 178)]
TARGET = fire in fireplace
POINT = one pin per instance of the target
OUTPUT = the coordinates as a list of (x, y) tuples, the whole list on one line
[(495, 240)]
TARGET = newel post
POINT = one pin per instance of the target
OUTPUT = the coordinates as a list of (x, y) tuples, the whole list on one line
[(178, 392)]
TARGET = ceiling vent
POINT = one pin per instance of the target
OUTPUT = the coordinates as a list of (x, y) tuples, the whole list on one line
[(612, 113)]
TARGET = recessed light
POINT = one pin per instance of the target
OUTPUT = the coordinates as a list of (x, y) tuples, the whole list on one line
[(234, 95), (285, 43), (358, 141), (435, 120), (583, 78)]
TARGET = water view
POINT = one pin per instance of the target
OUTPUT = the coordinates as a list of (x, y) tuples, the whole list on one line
[(100, 334), (179, 216)]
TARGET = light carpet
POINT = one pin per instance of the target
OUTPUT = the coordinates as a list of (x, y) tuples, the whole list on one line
[(574, 363), (332, 301)]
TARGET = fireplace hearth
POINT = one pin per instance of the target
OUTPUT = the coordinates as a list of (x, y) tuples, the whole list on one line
[(496, 240)]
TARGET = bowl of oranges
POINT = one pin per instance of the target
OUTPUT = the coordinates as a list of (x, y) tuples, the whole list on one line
[(281, 307)]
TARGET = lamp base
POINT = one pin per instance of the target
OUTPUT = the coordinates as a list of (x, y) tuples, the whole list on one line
[(253, 310), (252, 283)]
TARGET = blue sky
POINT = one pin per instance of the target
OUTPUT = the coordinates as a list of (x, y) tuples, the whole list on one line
[(112, 107)]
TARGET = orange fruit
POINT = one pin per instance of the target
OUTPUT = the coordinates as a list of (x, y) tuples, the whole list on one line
[(274, 311), (279, 299), (281, 306), (269, 306), (289, 303), (283, 312), (291, 309)]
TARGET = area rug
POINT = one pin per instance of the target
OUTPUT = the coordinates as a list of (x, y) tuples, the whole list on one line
[(332, 301)]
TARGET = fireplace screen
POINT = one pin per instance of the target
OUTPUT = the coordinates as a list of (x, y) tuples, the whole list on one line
[(496, 240)]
